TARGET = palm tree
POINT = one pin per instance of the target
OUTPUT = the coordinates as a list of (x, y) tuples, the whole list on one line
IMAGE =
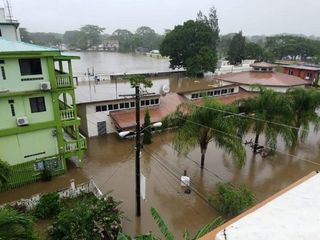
[(208, 123), (14, 225), (304, 103), (269, 113), (4, 173), (168, 234)]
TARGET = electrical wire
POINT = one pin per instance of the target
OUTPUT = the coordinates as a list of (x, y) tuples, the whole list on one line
[(245, 116)]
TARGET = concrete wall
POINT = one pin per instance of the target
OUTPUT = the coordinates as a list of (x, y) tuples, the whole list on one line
[(9, 32), (276, 89), (235, 90), (22, 108), (14, 81), (21, 148)]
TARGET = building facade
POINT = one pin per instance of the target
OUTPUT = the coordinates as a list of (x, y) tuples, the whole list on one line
[(8, 27), (38, 129), (309, 73)]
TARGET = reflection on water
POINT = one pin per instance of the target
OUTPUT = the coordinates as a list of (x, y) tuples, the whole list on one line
[(110, 161)]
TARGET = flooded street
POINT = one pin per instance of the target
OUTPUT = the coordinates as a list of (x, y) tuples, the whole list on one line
[(110, 161)]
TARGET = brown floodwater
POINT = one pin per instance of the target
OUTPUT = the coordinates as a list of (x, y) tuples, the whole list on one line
[(110, 161)]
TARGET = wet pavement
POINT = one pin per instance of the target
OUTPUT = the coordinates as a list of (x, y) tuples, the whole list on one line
[(110, 161)]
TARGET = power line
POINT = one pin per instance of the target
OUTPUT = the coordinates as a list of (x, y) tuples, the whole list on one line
[(237, 137), (245, 116)]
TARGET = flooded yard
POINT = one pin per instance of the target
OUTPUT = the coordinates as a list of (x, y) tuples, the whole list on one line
[(111, 163)]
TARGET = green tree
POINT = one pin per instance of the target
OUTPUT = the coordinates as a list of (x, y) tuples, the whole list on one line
[(291, 45), (4, 173), (73, 39), (147, 132), (148, 38), (25, 35), (14, 225), (304, 103), (91, 35), (204, 125), (189, 46), (127, 41), (254, 51), (211, 20), (230, 200), (236, 52), (164, 229), (271, 111)]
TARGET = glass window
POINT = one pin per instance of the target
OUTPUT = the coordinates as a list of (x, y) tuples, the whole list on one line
[(231, 90), (30, 66), (217, 92), (37, 104), (152, 101), (194, 95), (223, 91), (115, 106), (98, 108), (3, 73), (121, 105), (104, 107), (126, 105), (210, 93), (132, 104), (110, 107), (156, 101), (142, 103), (147, 102), (13, 112)]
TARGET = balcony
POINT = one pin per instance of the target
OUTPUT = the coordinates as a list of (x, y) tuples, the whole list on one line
[(75, 145), (63, 80), (66, 111)]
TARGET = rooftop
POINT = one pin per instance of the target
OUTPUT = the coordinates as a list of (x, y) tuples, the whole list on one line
[(7, 46), (264, 78), (168, 105), (293, 214), (303, 67), (262, 65)]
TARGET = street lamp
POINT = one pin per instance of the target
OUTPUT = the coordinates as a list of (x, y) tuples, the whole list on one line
[(138, 147)]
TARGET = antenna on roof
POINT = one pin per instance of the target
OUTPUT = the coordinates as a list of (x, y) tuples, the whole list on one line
[(7, 4)]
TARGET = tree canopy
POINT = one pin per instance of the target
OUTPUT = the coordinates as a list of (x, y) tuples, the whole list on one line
[(237, 49), (191, 46)]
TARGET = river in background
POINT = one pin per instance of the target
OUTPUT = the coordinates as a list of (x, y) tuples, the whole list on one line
[(111, 161), (113, 62)]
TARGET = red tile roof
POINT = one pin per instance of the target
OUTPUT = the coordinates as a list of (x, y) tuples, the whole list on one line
[(168, 104), (264, 78)]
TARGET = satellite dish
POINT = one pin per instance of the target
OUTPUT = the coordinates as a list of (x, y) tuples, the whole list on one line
[(165, 89)]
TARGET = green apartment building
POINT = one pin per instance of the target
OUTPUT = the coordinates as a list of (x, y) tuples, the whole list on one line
[(38, 128)]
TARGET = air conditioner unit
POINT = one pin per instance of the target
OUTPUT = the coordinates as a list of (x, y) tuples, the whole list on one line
[(22, 121), (45, 86)]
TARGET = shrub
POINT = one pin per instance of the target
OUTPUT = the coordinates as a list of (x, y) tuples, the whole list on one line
[(14, 225), (49, 206), (230, 200), (91, 219), (46, 175)]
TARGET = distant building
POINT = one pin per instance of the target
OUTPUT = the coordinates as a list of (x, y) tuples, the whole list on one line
[(223, 67), (264, 75), (9, 28), (307, 72), (292, 213), (38, 129)]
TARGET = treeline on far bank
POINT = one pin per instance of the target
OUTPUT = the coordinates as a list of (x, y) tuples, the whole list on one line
[(92, 37)]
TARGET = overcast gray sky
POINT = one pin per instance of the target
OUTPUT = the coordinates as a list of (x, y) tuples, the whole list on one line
[(251, 16)]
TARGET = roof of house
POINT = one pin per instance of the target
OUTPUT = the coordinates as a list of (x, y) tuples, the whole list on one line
[(7, 46), (168, 104), (262, 65), (292, 213), (264, 78), (303, 67)]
